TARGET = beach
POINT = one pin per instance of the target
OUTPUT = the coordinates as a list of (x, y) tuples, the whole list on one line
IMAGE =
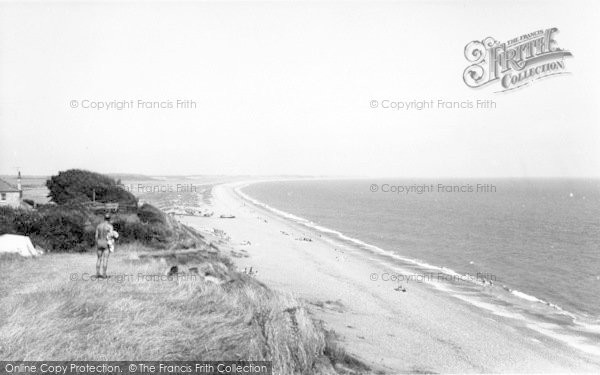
[(332, 187), (392, 327)]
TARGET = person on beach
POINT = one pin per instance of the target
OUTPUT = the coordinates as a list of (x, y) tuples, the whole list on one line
[(104, 232)]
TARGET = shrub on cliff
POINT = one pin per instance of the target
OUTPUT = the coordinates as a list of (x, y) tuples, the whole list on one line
[(64, 229), (151, 234), (78, 186), (54, 228), (152, 215)]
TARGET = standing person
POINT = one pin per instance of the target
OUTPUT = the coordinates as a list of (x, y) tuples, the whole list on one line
[(103, 232)]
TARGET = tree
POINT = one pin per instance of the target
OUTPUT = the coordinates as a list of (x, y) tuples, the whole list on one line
[(79, 186)]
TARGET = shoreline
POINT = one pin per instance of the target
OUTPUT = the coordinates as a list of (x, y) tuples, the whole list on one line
[(418, 330), (527, 310)]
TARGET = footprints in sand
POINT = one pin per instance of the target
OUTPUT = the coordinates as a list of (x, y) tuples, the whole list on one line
[(219, 233), (340, 256), (333, 306), (241, 253)]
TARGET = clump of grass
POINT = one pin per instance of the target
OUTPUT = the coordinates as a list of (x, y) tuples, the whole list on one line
[(342, 362), (46, 315)]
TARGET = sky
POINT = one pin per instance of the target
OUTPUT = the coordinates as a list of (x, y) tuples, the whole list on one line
[(286, 88)]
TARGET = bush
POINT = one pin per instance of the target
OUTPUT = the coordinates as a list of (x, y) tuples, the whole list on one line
[(155, 235), (7, 220), (55, 228), (69, 225), (65, 229), (152, 215), (27, 222), (78, 186)]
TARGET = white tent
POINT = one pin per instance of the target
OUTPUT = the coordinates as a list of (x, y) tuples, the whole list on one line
[(13, 243)]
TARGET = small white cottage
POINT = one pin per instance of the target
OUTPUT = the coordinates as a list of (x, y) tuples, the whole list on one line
[(10, 195)]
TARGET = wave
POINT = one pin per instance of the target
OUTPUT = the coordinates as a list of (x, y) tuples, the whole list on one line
[(525, 296), (576, 342)]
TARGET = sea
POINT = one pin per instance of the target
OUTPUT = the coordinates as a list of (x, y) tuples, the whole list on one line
[(526, 250)]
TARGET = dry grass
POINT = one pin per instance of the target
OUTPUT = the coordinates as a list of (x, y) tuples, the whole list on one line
[(46, 316)]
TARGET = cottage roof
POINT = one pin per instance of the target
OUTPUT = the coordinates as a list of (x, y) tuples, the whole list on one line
[(6, 187)]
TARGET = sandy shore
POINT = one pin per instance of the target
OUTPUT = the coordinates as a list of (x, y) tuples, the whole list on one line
[(420, 330)]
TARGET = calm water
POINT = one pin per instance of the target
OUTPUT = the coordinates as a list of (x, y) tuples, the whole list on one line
[(538, 239)]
